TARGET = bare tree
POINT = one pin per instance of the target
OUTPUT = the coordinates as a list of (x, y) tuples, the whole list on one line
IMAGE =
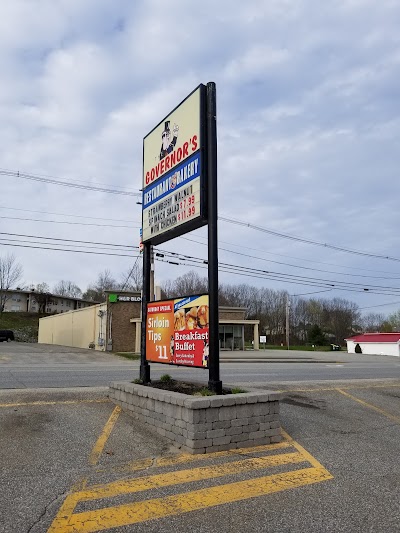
[(42, 296), (132, 279), (372, 322), (394, 321), (67, 288), (186, 285), (96, 291), (10, 274)]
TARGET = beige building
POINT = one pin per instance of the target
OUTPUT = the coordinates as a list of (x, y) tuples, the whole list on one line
[(116, 326), (83, 328)]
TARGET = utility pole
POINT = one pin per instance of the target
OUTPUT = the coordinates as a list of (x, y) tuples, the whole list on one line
[(287, 320)]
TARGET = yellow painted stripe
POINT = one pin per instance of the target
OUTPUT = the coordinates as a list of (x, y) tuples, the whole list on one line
[(172, 460), (128, 486), (101, 441), (371, 406), (133, 513), (62, 402), (185, 458), (349, 387), (310, 458)]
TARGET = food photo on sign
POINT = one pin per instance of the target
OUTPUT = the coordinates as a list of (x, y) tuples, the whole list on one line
[(191, 334), (177, 331)]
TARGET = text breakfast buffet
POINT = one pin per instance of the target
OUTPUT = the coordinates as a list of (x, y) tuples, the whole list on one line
[(177, 331)]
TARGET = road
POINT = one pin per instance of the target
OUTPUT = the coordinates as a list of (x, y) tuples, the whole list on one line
[(41, 366)]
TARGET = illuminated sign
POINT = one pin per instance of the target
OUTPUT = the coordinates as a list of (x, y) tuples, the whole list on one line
[(177, 331), (113, 298), (174, 172)]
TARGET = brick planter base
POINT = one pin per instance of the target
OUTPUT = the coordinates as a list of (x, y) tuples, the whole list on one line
[(203, 424)]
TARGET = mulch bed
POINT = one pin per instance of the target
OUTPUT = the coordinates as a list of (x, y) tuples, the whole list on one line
[(193, 389)]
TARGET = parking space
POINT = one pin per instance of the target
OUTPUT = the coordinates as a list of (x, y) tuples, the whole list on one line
[(72, 462)]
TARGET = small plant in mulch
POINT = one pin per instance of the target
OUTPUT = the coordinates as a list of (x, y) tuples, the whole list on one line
[(205, 392), (193, 389)]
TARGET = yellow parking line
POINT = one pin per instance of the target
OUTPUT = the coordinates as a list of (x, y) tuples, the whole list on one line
[(371, 406), (351, 387), (163, 461), (101, 441), (104, 518), (116, 488), (62, 402), (184, 458), (310, 458), (133, 513)]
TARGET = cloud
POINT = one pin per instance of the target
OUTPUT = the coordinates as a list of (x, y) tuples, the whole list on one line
[(308, 122)]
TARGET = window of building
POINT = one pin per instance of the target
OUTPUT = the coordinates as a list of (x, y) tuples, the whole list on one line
[(68, 303), (15, 308), (231, 337)]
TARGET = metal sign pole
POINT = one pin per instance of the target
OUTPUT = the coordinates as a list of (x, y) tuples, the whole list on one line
[(144, 365), (214, 383)]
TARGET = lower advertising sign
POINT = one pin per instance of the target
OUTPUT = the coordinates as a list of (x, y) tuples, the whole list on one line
[(177, 331)]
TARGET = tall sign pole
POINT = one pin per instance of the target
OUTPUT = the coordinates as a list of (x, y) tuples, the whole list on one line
[(180, 195), (214, 383), (144, 365)]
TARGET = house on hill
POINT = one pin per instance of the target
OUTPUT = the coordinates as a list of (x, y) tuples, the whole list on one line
[(375, 344)]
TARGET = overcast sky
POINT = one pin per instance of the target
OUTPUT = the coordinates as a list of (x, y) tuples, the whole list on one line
[(308, 132)]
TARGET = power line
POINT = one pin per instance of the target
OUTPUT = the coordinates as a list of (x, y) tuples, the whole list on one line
[(67, 240), (70, 183), (308, 293), (307, 241), (277, 276), (130, 273), (87, 186), (64, 250), (71, 223), (233, 269), (297, 266), (379, 305), (65, 214), (287, 278), (86, 246), (221, 241), (264, 277)]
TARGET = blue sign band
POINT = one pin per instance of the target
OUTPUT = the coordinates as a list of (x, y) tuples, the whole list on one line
[(184, 302), (180, 176)]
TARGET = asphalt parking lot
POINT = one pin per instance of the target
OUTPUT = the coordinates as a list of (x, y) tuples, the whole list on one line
[(70, 461)]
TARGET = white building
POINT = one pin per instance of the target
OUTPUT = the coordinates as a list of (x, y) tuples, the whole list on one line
[(375, 344)]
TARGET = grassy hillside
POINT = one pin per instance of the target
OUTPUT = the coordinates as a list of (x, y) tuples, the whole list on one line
[(24, 325)]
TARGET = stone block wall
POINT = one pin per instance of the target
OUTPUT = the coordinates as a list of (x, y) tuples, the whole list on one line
[(203, 424)]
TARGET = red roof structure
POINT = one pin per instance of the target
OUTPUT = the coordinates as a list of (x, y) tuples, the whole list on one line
[(376, 337)]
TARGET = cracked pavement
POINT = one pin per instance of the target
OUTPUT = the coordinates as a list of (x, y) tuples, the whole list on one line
[(54, 449)]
